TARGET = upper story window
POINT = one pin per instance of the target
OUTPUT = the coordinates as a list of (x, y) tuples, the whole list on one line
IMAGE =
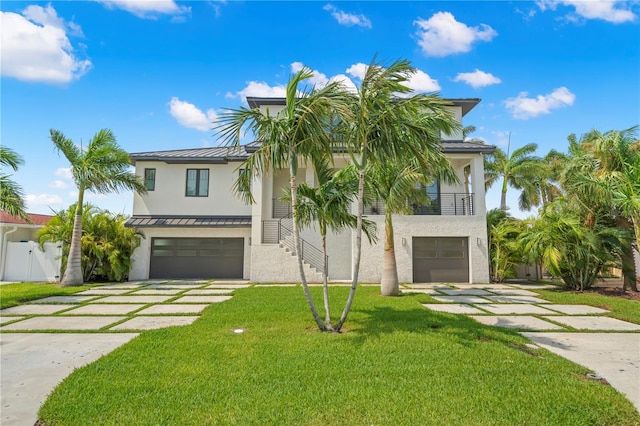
[(150, 179), (197, 183)]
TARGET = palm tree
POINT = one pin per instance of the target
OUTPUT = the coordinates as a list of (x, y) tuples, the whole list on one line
[(518, 170), (328, 204), (102, 167), (297, 133), (11, 194), (388, 125), (400, 185)]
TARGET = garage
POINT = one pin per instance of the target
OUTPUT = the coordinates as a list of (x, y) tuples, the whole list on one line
[(196, 258), (440, 259)]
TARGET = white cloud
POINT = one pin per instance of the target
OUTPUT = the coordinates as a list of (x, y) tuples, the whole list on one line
[(613, 11), (58, 184), (147, 9), (35, 46), (64, 172), (42, 200), (259, 89), (421, 82), (442, 35), (318, 79), (358, 70), (477, 78), (348, 19), (346, 82), (191, 116), (522, 107)]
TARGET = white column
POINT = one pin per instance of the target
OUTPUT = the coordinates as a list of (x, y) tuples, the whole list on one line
[(477, 182)]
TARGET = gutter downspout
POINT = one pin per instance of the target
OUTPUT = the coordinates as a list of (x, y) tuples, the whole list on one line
[(3, 246)]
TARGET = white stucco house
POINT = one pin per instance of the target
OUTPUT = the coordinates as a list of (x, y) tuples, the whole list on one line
[(196, 227)]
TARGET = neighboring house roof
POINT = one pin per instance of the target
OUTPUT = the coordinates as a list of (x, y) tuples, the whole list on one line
[(36, 219), (190, 221), (214, 155), (467, 104), (466, 147)]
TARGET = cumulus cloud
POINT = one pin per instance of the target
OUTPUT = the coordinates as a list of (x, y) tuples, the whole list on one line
[(357, 70), (348, 19), (42, 200), (613, 11), (64, 172), (191, 116), (259, 89), (35, 46), (147, 9), (523, 107), (58, 184), (419, 82), (318, 79), (477, 78), (441, 35)]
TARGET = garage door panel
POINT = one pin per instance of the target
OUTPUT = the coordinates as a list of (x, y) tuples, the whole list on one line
[(197, 258), (443, 259)]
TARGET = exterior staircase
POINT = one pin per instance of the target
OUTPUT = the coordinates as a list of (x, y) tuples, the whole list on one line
[(311, 256)]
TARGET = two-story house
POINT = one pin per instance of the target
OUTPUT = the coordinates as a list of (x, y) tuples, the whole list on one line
[(196, 227)]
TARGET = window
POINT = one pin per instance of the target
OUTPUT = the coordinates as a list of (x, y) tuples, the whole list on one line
[(150, 179), (197, 183)]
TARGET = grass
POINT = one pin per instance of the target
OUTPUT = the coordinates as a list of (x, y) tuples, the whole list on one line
[(14, 294), (398, 364), (623, 309)]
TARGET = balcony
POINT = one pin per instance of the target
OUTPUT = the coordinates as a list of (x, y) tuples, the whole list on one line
[(447, 204)]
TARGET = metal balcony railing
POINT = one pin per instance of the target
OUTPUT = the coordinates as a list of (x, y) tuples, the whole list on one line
[(447, 204), (280, 209)]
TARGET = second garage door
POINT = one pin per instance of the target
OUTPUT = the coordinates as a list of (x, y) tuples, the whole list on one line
[(444, 259), (196, 258)]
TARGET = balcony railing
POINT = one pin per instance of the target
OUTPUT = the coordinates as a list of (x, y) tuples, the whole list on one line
[(280, 209), (448, 204), (280, 231)]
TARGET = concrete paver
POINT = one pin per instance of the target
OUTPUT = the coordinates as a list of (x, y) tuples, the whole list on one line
[(595, 323), (234, 286), (614, 356), (208, 292), (175, 285), (513, 292), (462, 299), (202, 299), (105, 291), (453, 308), (105, 309), (464, 291), (164, 291), (170, 308), (576, 309), (63, 323), (34, 363), (515, 308), (34, 309), (524, 322), (534, 286), (154, 322), (126, 286), (5, 320), (517, 299), (135, 299), (64, 299), (425, 285), (420, 291)]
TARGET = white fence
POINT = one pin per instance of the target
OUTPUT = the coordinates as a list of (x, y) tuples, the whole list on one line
[(26, 262)]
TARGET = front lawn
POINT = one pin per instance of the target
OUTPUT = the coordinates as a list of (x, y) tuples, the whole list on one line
[(14, 294), (398, 364)]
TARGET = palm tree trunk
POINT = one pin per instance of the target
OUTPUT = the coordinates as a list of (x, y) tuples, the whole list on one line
[(356, 263), (503, 196), (325, 281), (73, 271), (389, 285), (296, 239)]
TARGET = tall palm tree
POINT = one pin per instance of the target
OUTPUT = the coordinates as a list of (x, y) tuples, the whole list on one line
[(388, 125), (328, 205), (102, 167), (400, 185), (11, 194), (518, 169), (297, 133)]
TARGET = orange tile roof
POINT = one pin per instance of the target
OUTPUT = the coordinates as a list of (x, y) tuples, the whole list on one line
[(37, 219)]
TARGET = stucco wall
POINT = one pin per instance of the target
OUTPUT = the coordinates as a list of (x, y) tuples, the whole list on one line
[(141, 256), (406, 227), (169, 197), (271, 263)]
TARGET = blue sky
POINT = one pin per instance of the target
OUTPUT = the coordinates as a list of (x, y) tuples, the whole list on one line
[(157, 73)]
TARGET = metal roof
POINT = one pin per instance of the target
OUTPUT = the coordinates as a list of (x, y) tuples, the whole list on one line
[(189, 221), (214, 155), (466, 147)]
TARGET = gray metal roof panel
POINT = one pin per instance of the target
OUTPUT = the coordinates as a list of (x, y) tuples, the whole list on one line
[(219, 154), (189, 221)]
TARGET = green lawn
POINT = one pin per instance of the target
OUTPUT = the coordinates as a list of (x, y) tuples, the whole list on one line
[(14, 294), (398, 364)]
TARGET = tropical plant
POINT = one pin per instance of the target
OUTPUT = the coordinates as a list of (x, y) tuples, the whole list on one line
[(569, 249), (106, 244), (11, 194), (504, 250), (388, 124), (400, 185), (102, 167), (519, 170), (328, 206), (296, 133)]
